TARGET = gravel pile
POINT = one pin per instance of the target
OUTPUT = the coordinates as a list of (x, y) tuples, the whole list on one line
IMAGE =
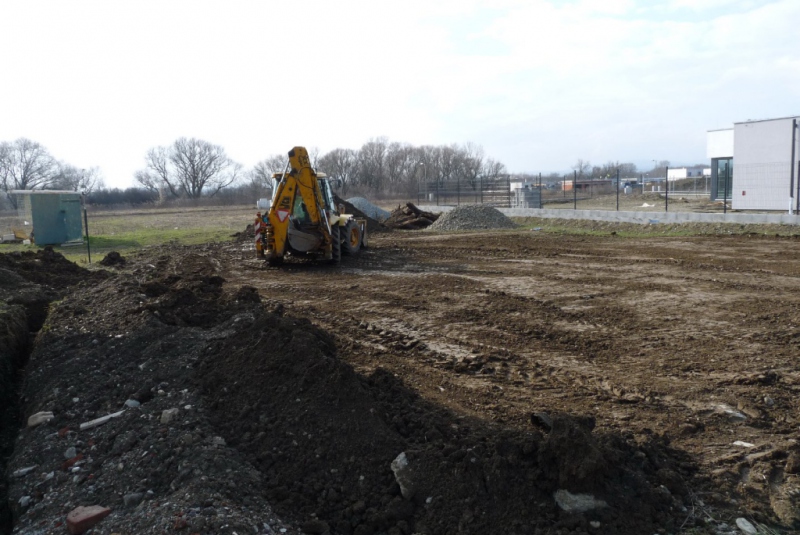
[(473, 217), (368, 208)]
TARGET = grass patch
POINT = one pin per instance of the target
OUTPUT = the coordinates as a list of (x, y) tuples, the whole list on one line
[(128, 231), (636, 230)]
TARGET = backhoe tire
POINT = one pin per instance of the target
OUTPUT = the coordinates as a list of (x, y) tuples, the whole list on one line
[(336, 238), (351, 241), (275, 261)]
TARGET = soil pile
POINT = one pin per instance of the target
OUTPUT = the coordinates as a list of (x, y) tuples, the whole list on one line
[(221, 406), (349, 454), (409, 217), (113, 259), (472, 217), (124, 350)]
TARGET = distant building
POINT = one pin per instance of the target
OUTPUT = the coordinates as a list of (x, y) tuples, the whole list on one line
[(765, 174), (679, 173)]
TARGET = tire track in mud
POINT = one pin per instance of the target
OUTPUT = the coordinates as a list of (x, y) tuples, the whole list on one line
[(648, 335)]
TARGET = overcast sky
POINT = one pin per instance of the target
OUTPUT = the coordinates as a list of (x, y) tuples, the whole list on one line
[(537, 83)]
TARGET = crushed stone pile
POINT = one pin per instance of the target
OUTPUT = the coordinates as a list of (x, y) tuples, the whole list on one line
[(373, 224), (472, 217), (409, 217), (375, 212), (225, 409)]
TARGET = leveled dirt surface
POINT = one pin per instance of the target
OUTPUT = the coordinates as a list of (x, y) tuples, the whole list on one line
[(465, 352)]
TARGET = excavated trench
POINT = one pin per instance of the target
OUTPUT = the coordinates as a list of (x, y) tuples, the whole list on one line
[(18, 326)]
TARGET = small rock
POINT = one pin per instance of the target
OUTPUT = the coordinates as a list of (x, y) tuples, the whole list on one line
[(25, 501), (402, 475), (218, 441), (133, 499), (132, 403), (22, 472), (744, 444), (167, 415), (746, 527), (81, 519), (595, 524), (71, 453), (39, 418), (793, 463), (768, 401), (577, 503)]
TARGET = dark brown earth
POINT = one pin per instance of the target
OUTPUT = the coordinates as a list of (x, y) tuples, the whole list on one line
[(505, 365)]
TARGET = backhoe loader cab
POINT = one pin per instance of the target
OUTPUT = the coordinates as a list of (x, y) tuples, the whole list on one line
[(303, 219)]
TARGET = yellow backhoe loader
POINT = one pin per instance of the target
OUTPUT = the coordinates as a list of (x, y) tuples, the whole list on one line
[(303, 219)]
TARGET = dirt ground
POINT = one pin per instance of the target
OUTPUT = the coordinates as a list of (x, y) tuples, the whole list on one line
[(656, 378)]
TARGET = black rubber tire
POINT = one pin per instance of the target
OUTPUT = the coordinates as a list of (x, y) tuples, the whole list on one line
[(351, 241), (336, 252), (275, 261)]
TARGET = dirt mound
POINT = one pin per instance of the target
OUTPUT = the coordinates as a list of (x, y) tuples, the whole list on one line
[(247, 235), (472, 217), (46, 267), (224, 407), (126, 347), (113, 259), (326, 440)]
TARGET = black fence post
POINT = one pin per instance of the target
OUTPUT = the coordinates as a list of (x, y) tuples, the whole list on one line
[(666, 190), (575, 190), (725, 192), (86, 224), (540, 191), (617, 190)]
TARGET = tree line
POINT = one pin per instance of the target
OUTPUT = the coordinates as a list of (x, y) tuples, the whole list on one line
[(27, 165), (192, 169)]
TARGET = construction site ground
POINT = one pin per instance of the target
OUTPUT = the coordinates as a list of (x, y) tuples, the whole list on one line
[(656, 376)]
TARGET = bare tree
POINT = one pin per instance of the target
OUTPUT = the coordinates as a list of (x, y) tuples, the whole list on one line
[(262, 171), (582, 166), (341, 164), (71, 178), (189, 167), (25, 164), (371, 163)]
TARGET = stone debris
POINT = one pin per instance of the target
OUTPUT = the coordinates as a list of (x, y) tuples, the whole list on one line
[(472, 217), (81, 518), (100, 421), (168, 415), (402, 475), (577, 503), (39, 418), (746, 527)]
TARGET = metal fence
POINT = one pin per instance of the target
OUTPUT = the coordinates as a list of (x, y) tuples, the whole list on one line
[(492, 192)]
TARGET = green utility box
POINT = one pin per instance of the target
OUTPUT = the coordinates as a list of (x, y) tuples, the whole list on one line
[(49, 217)]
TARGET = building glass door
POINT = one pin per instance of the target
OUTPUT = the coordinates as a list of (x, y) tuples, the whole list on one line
[(724, 178)]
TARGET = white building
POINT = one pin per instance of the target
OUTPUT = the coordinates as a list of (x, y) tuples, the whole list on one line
[(765, 173), (679, 173)]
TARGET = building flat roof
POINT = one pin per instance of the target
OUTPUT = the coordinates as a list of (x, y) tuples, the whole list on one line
[(767, 120)]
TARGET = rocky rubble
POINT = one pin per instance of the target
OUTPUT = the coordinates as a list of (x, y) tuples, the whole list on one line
[(375, 212), (472, 217)]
